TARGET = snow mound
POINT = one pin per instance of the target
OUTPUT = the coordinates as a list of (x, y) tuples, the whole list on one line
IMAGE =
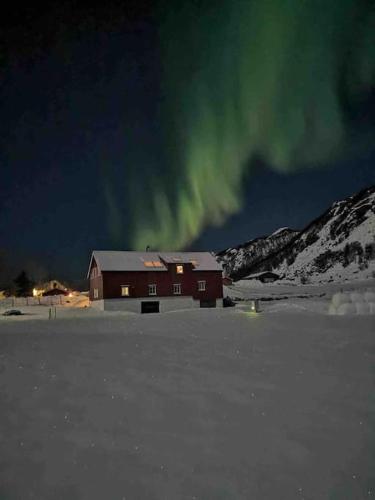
[(359, 303)]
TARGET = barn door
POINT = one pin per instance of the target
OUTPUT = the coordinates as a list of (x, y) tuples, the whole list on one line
[(150, 307)]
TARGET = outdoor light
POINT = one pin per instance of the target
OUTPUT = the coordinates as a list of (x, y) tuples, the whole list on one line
[(254, 305)]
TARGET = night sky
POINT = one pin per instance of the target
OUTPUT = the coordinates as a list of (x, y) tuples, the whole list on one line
[(199, 126)]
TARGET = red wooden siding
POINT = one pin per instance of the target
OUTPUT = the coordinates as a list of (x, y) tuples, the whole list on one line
[(96, 281), (109, 283)]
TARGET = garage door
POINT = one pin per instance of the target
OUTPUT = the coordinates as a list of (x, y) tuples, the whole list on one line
[(150, 307), (208, 303)]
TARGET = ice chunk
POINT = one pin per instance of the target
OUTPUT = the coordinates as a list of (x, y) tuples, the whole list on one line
[(356, 297), (347, 309), (362, 308)]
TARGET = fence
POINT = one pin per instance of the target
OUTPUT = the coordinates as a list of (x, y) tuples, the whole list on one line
[(52, 300)]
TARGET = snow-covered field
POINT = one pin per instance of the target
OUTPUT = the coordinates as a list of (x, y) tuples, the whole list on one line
[(204, 404), (280, 296)]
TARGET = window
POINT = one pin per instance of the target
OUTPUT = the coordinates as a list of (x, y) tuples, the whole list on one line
[(177, 288), (201, 286), (96, 293), (180, 269), (152, 263), (152, 289), (125, 290)]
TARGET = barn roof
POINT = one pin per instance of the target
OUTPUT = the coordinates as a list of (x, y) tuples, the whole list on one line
[(202, 261), (152, 261)]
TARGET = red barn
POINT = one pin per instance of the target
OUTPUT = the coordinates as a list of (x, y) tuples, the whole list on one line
[(154, 281)]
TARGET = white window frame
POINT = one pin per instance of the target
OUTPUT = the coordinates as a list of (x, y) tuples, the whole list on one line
[(152, 289), (179, 269), (202, 286), (176, 288), (96, 293), (122, 291)]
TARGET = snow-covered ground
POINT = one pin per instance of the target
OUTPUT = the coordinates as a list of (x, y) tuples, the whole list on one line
[(204, 404), (274, 297), (279, 296)]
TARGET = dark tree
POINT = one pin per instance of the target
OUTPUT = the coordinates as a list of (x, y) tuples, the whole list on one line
[(24, 285), (370, 251)]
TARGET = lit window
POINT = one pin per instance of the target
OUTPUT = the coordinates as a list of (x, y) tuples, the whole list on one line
[(177, 288), (152, 263), (179, 269), (201, 286), (96, 293), (125, 290), (152, 289)]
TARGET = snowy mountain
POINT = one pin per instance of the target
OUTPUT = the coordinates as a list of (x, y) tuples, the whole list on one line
[(337, 246), (239, 260)]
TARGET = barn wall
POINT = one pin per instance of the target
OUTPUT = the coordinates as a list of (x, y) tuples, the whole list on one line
[(138, 282), (129, 305), (174, 303), (97, 304), (95, 282), (214, 285), (134, 305)]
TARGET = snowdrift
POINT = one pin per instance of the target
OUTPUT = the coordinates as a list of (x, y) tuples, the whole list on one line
[(353, 303)]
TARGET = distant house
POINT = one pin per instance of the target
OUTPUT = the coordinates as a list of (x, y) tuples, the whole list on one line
[(265, 277), (52, 287), (55, 291), (154, 281)]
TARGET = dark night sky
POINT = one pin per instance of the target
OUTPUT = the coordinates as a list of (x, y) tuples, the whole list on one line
[(80, 96)]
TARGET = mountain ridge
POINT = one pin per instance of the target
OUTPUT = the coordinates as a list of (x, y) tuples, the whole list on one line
[(338, 244)]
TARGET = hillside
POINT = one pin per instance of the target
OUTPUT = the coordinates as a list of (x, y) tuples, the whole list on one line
[(337, 246), (238, 260)]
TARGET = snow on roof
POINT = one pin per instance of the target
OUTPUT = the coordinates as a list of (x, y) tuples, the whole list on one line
[(152, 261), (127, 261), (202, 261)]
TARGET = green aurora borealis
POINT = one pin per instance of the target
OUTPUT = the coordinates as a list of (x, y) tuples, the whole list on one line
[(276, 80)]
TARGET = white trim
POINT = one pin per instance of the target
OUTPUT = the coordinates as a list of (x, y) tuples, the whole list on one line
[(201, 285), (176, 288), (149, 289)]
